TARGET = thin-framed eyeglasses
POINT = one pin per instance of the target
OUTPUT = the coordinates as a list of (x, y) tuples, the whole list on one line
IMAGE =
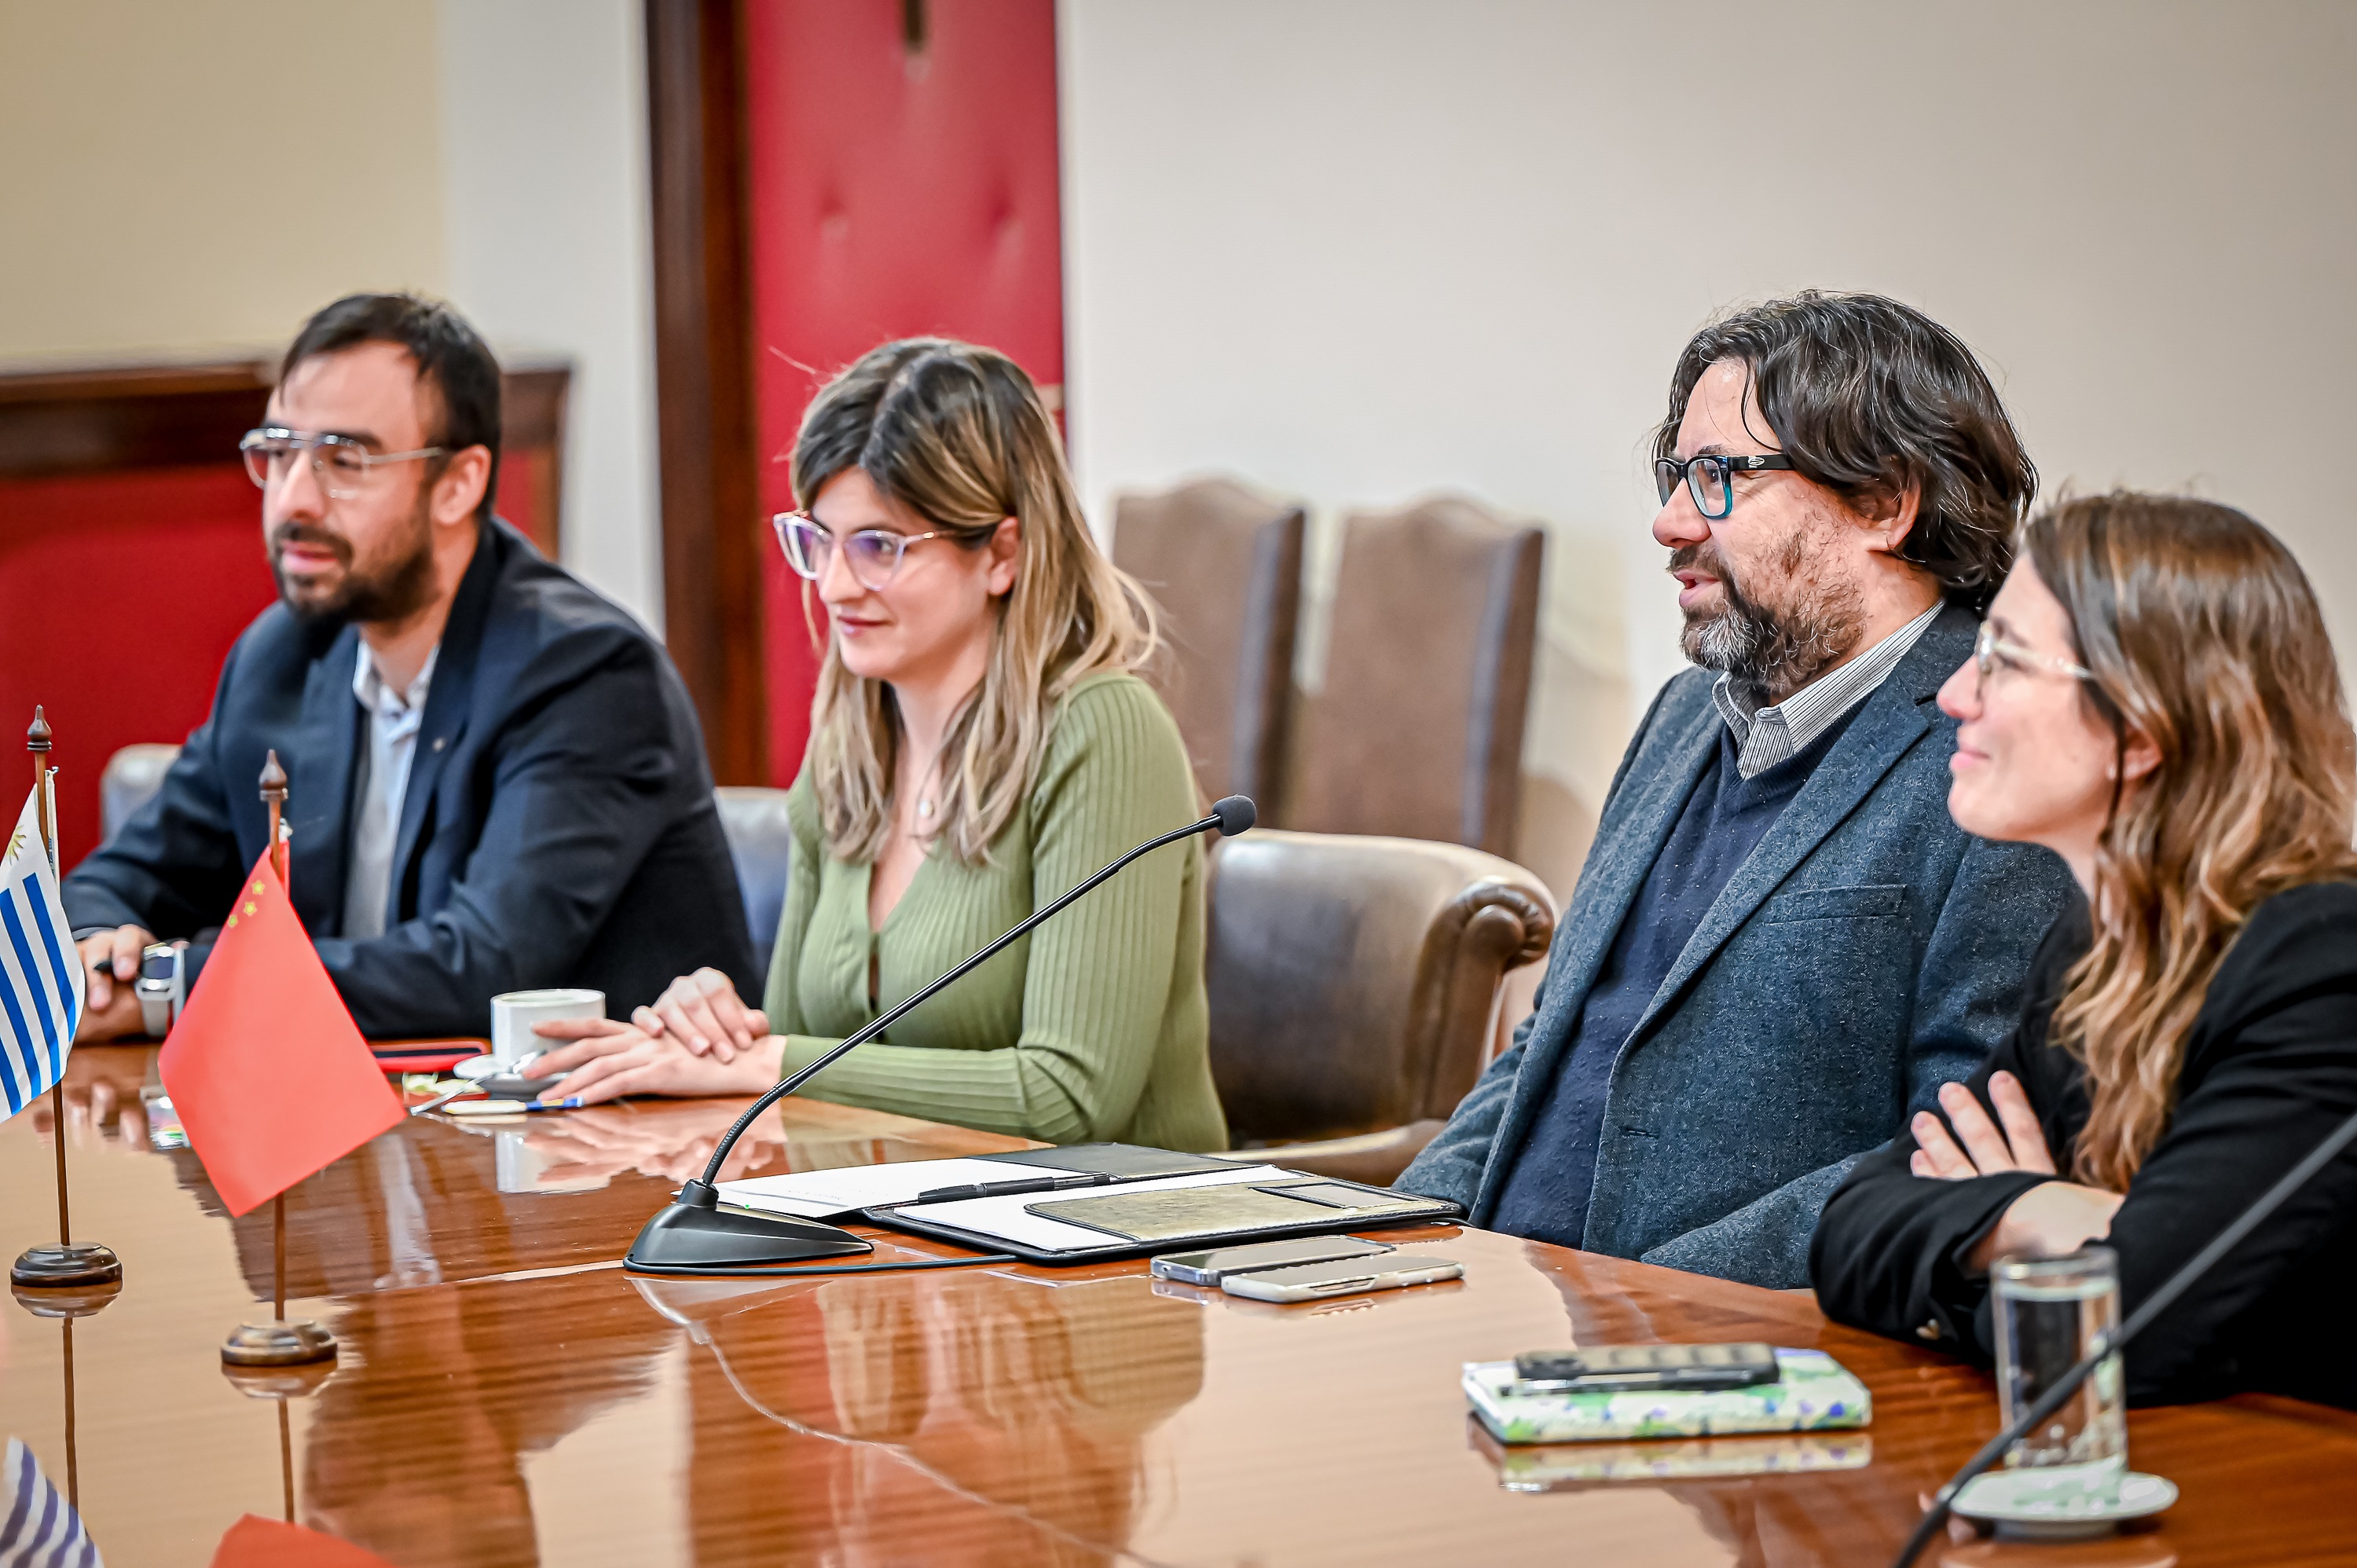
[(1991, 651), (872, 553), (342, 466), (1708, 478)]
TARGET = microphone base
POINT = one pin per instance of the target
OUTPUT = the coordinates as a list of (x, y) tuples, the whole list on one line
[(687, 1238)]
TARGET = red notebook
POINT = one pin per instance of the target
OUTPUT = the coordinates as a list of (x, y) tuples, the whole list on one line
[(424, 1056)]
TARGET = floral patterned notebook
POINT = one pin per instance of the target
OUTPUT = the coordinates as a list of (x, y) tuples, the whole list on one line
[(1815, 1393)]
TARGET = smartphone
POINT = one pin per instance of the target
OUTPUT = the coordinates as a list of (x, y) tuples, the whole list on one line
[(1613, 1368), (1209, 1268), (1344, 1276)]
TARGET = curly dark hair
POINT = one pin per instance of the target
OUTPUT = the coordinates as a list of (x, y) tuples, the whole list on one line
[(1867, 396)]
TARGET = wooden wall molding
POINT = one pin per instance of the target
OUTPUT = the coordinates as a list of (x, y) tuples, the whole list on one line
[(118, 418), (706, 415)]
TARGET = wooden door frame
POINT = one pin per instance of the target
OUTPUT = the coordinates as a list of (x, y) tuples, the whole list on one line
[(707, 422)]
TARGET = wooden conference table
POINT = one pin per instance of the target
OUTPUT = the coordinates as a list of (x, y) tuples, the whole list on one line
[(506, 1394)]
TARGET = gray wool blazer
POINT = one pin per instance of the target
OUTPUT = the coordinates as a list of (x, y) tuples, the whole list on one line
[(1867, 952)]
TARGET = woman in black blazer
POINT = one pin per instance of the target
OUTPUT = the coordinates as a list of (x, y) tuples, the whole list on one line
[(2154, 698)]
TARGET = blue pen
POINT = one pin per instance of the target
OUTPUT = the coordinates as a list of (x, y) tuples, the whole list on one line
[(571, 1104)]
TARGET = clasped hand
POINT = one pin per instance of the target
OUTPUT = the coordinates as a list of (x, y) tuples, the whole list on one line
[(2050, 1219), (698, 1038)]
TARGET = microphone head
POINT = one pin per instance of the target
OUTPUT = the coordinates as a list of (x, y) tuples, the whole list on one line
[(1236, 815)]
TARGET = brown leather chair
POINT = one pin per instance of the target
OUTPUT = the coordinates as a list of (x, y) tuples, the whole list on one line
[(1225, 566), (1418, 729), (1353, 984)]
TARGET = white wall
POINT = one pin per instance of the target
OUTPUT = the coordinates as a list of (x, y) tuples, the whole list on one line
[(1358, 249), (186, 176), (545, 209)]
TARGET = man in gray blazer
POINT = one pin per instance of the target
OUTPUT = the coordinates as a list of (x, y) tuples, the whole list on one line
[(1780, 945)]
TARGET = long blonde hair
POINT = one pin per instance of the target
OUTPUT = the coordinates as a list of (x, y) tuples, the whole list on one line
[(2203, 634), (957, 434)]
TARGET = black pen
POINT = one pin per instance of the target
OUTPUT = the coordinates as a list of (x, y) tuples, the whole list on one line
[(1010, 1189)]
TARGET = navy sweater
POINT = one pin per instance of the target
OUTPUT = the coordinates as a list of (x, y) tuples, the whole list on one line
[(1545, 1194)]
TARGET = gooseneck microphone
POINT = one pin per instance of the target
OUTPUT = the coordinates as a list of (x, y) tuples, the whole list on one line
[(2054, 1398), (696, 1236)]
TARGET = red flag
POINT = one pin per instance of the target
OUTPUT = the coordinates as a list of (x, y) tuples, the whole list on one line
[(256, 1542), (271, 1079)]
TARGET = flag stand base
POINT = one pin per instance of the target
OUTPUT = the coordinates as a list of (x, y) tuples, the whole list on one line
[(280, 1344), (278, 1383), (75, 1266)]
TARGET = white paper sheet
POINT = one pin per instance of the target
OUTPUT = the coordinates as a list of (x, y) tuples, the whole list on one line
[(824, 1195), (1005, 1218)]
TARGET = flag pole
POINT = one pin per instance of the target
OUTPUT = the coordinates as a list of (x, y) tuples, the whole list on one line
[(90, 1269), (280, 1384), (278, 1343)]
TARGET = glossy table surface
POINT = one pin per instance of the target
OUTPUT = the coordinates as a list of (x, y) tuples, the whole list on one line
[(506, 1394)]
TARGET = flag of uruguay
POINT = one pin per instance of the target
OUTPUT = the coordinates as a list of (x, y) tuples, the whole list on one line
[(37, 1529), (41, 970)]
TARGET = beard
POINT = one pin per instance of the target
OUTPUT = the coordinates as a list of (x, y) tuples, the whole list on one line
[(392, 588), (1767, 652)]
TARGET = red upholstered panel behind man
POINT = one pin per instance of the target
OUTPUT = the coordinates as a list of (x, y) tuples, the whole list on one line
[(900, 186), (120, 595)]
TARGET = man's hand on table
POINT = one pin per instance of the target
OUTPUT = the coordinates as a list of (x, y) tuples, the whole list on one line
[(110, 962), (604, 1059)]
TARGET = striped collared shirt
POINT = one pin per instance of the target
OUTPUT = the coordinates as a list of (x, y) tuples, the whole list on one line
[(1766, 737)]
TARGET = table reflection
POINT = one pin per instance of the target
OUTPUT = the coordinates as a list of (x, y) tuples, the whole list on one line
[(416, 1447), (978, 1417)]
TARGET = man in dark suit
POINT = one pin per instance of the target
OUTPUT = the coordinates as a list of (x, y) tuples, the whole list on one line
[(498, 780), (1780, 945)]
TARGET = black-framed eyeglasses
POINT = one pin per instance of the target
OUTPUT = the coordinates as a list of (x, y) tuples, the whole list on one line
[(872, 553), (342, 464), (1708, 478)]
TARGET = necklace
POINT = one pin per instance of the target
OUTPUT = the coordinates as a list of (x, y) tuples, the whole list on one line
[(926, 796)]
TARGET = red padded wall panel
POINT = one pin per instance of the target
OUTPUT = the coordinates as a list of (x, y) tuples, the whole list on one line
[(894, 191), (123, 593), (120, 595)]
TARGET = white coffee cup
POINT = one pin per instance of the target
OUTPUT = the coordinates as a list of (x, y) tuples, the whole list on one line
[(514, 1013)]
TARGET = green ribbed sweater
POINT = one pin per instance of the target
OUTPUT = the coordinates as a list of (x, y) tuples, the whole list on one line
[(1093, 1027)]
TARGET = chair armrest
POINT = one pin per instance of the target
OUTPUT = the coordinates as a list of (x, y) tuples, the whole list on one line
[(1374, 1158)]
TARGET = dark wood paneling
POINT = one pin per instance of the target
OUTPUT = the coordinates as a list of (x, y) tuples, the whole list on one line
[(106, 418), (704, 376), (121, 418)]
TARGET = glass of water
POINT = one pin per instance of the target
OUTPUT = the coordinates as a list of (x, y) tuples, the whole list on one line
[(2048, 1312)]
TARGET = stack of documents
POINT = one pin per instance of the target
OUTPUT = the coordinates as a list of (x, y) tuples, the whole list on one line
[(1097, 1200)]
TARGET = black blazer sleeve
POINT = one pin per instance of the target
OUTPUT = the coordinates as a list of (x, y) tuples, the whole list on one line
[(2277, 1072), (2270, 1069), (579, 782)]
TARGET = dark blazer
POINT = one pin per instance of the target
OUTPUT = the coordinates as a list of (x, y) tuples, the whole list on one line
[(558, 828), (2270, 1069), (1866, 953)]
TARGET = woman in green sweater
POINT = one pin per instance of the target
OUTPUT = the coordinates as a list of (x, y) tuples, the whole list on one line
[(980, 744)]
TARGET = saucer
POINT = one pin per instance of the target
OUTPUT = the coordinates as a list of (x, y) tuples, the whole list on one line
[(2063, 1503), (497, 1081)]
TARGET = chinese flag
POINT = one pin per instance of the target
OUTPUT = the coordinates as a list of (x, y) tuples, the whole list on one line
[(256, 1542), (270, 1078)]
